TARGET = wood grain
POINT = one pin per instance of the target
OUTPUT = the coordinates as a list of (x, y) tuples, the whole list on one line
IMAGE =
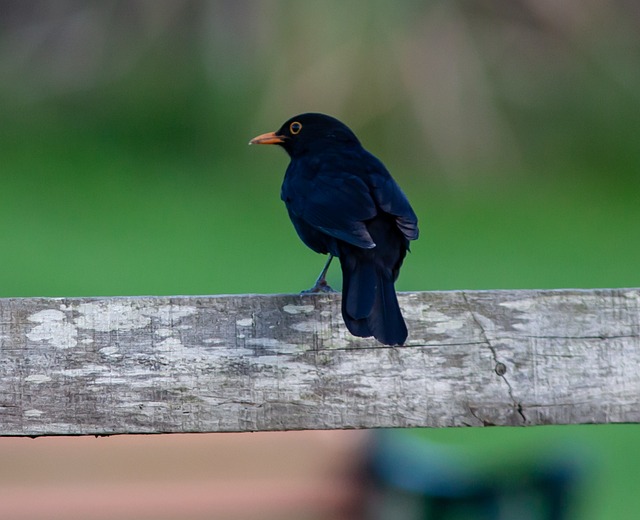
[(76, 366)]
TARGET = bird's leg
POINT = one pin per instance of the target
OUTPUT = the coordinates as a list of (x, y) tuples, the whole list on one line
[(321, 284)]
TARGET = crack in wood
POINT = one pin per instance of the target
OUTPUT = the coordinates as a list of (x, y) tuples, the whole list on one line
[(516, 404), (480, 420)]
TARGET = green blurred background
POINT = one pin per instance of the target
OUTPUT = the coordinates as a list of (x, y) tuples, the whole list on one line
[(512, 125)]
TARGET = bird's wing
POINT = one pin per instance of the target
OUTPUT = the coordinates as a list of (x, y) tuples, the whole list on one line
[(391, 199), (334, 202)]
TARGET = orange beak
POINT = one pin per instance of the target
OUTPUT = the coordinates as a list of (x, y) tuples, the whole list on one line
[(268, 138)]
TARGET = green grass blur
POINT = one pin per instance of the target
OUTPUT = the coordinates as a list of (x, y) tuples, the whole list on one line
[(142, 183)]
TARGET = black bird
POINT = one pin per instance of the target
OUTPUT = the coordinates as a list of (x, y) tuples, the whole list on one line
[(343, 201)]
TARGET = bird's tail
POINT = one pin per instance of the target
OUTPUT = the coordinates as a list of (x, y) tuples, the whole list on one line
[(369, 302)]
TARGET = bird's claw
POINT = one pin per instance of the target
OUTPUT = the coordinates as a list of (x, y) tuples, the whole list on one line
[(320, 287)]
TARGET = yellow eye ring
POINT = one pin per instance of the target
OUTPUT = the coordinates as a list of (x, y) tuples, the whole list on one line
[(295, 127)]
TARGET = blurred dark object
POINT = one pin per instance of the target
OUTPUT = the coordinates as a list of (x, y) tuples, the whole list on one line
[(414, 479)]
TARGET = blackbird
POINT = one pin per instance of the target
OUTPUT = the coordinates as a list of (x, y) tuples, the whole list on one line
[(343, 202)]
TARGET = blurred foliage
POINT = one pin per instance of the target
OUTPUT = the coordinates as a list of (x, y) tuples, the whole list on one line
[(512, 125)]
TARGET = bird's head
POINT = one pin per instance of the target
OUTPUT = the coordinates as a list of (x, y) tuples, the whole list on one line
[(307, 133)]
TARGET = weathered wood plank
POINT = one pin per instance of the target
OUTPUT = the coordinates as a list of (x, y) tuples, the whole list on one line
[(247, 363)]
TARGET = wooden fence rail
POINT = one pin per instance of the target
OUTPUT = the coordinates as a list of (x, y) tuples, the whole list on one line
[(76, 366)]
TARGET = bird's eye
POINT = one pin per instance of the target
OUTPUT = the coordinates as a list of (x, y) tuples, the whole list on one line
[(295, 128)]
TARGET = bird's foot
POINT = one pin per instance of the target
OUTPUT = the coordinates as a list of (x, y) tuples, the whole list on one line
[(321, 286)]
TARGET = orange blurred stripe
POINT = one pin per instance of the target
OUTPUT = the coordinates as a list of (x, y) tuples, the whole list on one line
[(208, 499)]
